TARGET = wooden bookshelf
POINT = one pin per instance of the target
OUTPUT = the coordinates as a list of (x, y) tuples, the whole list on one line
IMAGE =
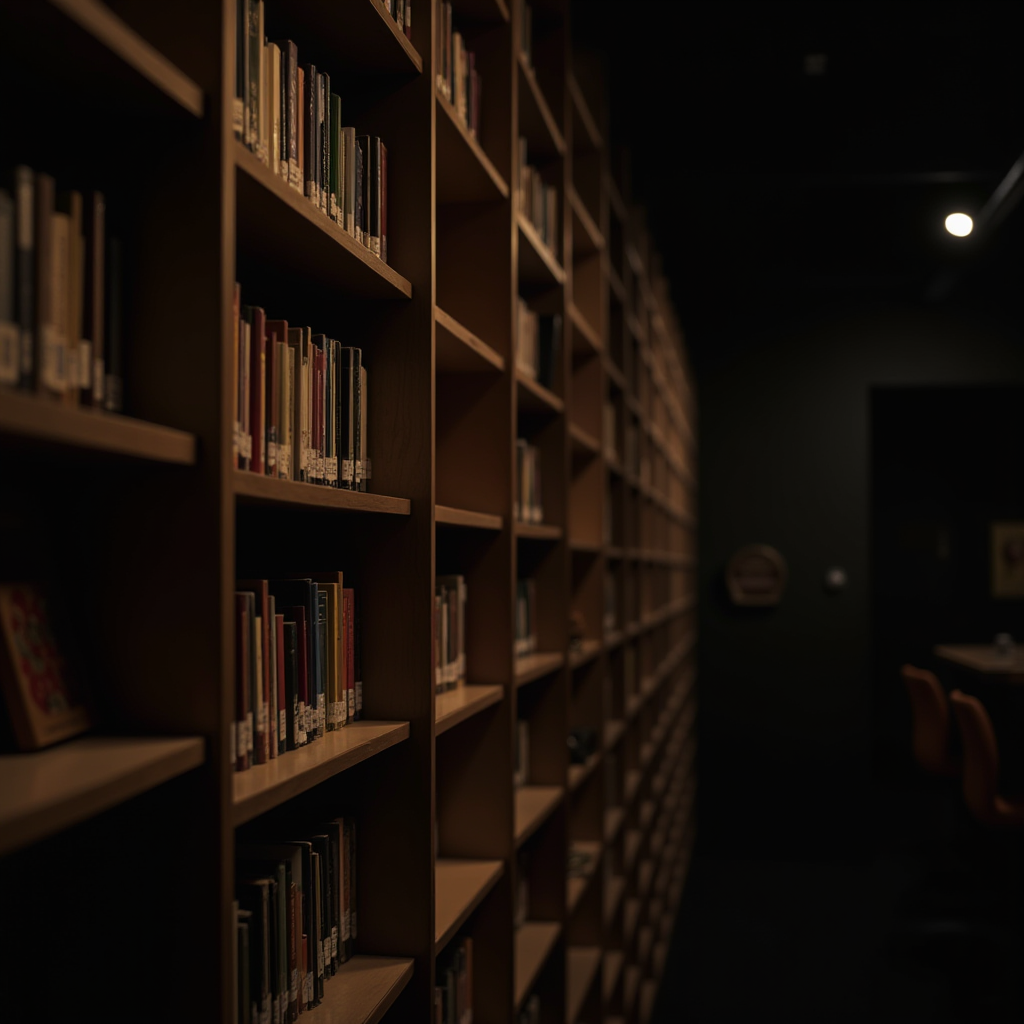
[(44, 792), (265, 786), (459, 888), (443, 831)]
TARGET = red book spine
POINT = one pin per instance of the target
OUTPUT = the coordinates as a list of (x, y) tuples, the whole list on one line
[(350, 664)]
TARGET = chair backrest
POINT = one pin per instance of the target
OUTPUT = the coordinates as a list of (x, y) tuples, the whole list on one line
[(930, 721), (981, 755)]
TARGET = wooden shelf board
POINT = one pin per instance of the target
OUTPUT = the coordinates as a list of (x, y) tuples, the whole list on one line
[(534, 941), (614, 374), (537, 531), (538, 265), (586, 652), (587, 239), (618, 289), (459, 888), (585, 547), (445, 515), (265, 786), (536, 122), (578, 773), (581, 113), (584, 330), (614, 730), (363, 991), (613, 961), (633, 779), (277, 225), (614, 638), (106, 28), (37, 419), (614, 817), (582, 442), (611, 189), (256, 489), (645, 875), (576, 885), (46, 791), (613, 894), (533, 666), (533, 804), (465, 173), (456, 706), (534, 397), (582, 964), (458, 350)]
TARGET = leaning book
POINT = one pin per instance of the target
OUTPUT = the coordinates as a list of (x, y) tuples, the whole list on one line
[(44, 703)]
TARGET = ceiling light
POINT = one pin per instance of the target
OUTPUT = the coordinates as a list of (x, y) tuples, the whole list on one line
[(959, 224)]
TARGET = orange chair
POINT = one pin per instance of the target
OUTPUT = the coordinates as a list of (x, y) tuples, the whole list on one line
[(981, 765), (930, 729)]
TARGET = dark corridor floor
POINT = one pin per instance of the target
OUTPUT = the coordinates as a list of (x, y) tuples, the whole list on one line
[(928, 929)]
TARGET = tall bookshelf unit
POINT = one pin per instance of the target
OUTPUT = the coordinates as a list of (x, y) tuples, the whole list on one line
[(118, 847)]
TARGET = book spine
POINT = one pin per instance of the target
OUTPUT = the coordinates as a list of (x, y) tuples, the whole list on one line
[(113, 347), (360, 186), (10, 347), (91, 379), (374, 147), (254, 60), (239, 745), (335, 158), (238, 112), (324, 127), (270, 403), (311, 153), (383, 202), (349, 188), (274, 105), (350, 663), (25, 273)]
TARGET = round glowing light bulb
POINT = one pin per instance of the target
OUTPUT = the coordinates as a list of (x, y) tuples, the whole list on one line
[(959, 224)]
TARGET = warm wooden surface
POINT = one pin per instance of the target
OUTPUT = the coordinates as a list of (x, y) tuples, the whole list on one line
[(578, 773), (537, 531), (35, 418), (252, 487), (582, 441), (458, 349), (465, 172), (456, 706), (535, 666), (363, 991), (107, 28), (983, 658), (613, 819), (277, 224), (615, 889), (577, 884), (581, 969), (459, 887), (268, 785), (534, 397), (613, 732), (445, 515), (587, 237), (534, 941), (538, 265), (584, 329), (536, 120), (613, 961), (46, 791), (532, 805)]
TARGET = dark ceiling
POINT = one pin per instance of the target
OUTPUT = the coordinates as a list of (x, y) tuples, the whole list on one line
[(762, 178)]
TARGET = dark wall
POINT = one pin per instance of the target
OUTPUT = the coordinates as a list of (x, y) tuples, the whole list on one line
[(785, 412)]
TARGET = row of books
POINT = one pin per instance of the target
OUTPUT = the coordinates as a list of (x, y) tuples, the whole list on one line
[(538, 201), (287, 115), (300, 403), (528, 505), (449, 633), (457, 77), (521, 773), (526, 618), (295, 920), (298, 670), (60, 293), (538, 344), (453, 991), (401, 11)]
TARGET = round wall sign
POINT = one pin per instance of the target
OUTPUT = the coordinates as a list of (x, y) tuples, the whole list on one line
[(756, 576)]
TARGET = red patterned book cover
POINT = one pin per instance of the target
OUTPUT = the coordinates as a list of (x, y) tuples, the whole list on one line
[(44, 702)]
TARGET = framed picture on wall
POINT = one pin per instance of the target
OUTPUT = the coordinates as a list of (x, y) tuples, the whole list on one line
[(1008, 560)]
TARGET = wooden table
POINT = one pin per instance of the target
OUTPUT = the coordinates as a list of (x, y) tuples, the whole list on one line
[(985, 658)]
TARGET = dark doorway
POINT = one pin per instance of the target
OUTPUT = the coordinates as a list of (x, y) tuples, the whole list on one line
[(946, 463)]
